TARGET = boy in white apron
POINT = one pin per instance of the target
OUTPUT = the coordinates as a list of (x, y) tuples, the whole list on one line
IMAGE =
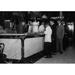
[(48, 41)]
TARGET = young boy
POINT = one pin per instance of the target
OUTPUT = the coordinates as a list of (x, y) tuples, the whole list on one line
[(48, 40)]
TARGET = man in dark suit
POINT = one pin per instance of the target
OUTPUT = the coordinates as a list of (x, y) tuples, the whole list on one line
[(60, 36)]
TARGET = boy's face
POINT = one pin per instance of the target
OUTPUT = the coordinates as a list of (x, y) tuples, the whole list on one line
[(51, 22)]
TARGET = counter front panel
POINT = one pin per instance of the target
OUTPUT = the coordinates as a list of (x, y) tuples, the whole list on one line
[(33, 46), (12, 48), (13, 45)]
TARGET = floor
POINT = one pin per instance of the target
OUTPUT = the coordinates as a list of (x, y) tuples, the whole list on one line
[(67, 57)]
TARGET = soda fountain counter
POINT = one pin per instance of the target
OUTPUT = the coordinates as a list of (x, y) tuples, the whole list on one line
[(19, 46)]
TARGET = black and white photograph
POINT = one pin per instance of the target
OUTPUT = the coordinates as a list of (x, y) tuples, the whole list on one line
[(37, 37)]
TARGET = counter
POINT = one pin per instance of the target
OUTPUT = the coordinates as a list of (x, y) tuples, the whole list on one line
[(19, 46)]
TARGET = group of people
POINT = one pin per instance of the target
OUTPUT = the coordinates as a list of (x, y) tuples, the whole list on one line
[(53, 33)]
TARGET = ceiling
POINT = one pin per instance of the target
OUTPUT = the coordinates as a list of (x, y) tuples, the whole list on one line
[(68, 15)]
